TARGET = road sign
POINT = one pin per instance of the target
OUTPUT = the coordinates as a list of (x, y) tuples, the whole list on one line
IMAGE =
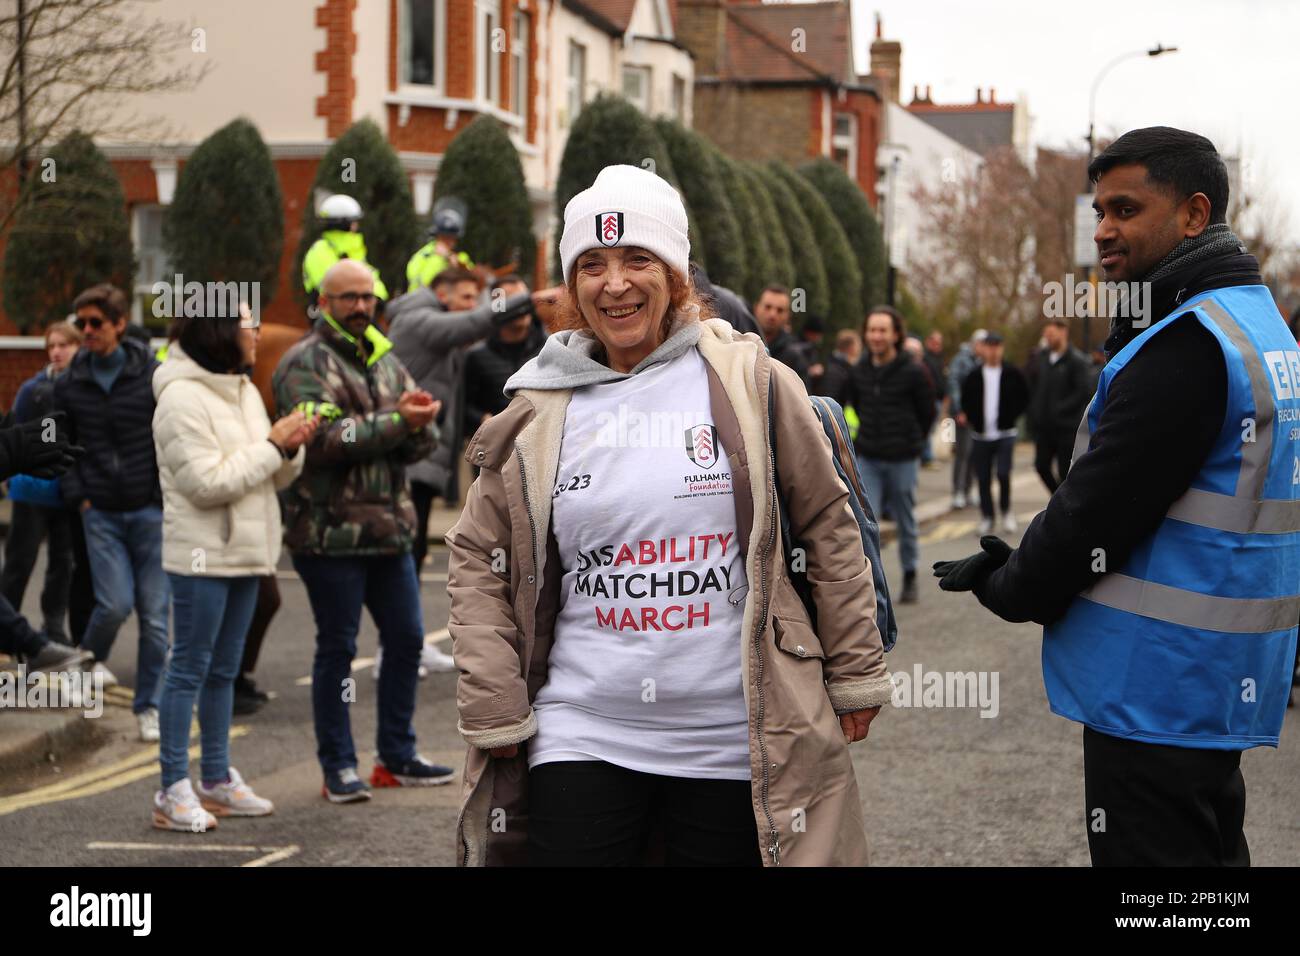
[(1085, 224)]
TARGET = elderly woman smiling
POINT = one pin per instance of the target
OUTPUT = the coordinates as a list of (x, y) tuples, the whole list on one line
[(639, 679)]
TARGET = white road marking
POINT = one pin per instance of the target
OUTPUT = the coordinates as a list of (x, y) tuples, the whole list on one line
[(361, 663)]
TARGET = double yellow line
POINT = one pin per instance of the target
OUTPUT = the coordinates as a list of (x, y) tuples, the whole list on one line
[(138, 766)]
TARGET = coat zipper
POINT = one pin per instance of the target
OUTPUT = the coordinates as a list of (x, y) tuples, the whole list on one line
[(774, 847)]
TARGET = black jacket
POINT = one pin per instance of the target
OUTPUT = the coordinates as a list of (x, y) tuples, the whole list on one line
[(118, 472), (1013, 398), (1061, 391), (836, 381), (787, 350), (895, 406), (938, 374), (1138, 464), (725, 303), (487, 368)]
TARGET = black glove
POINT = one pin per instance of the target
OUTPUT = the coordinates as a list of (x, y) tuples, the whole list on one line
[(968, 573), (25, 450)]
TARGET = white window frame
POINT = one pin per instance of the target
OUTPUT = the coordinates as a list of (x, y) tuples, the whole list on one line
[(519, 77), (575, 87), (439, 49), (487, 68), (646, 103), (846, 141)]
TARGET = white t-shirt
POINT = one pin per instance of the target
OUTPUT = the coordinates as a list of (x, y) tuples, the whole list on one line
[(992, 396), (645, 667)]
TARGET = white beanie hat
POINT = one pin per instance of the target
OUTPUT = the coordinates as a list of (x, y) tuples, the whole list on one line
[(627, 206)]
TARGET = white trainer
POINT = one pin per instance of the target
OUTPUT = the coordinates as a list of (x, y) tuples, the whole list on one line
[(177, 808), (234, 798), (108, 678), (148, 720), (435, 661), (958, 501), (986, 525), (1009, 523)]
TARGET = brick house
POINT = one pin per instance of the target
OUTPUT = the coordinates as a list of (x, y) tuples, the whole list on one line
[(777, 81), (302, 72)]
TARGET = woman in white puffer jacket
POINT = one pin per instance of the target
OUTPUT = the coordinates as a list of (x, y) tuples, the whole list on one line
[(220, 461)]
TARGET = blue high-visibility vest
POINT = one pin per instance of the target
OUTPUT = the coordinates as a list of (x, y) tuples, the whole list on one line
[(1190, 643)]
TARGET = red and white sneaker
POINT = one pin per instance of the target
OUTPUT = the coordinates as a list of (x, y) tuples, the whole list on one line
[(416, 772)]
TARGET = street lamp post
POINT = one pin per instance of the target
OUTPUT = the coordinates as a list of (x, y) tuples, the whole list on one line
[(1156, 50)]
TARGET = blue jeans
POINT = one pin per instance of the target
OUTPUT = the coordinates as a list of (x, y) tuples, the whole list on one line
[(891, 485), (338, 587), (125, 549), (212, 618)]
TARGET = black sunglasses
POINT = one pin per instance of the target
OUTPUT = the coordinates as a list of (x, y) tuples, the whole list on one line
[(81, 323)]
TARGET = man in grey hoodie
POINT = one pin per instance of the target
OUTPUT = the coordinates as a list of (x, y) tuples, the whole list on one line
[(431, 330)]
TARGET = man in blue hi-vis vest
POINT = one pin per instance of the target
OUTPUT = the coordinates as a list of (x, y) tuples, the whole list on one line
[(1166, 566)]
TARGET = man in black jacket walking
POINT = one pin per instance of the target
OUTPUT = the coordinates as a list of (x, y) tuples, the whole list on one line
[(895, 404), (1062, 386), (107, 394), (994, 397)]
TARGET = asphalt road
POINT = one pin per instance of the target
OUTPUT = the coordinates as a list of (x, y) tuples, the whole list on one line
[(940, 785)]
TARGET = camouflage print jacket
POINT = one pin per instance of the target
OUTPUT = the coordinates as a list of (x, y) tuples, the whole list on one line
[(352, 497)]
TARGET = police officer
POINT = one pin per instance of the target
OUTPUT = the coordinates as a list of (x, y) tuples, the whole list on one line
[(446, 230), (340, 217), (1165, 566)]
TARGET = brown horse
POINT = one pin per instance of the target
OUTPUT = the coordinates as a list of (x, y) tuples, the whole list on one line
[(273, 342)]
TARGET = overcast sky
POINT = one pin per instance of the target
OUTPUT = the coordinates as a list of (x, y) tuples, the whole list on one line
[(1235, 79)]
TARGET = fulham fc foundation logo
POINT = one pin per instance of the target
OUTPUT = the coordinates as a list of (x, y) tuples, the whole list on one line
[(702, 445), (609, 228)]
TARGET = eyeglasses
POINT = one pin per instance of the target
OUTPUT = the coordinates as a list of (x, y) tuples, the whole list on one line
[(81, 323), (352, 298)]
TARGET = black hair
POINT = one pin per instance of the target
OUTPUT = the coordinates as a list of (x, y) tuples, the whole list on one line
[(1182, 162), (900, 326), (213, 343)]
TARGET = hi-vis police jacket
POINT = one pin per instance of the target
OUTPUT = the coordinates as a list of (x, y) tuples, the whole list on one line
[(1190, 643)]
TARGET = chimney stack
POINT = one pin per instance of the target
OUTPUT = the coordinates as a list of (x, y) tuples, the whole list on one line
[(886, 63)]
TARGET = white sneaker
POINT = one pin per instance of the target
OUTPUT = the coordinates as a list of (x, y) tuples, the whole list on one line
[(234, 798), (435, 661), (148, 720), (177, 808), (108, 678), (1009, 523), (958, 501), (379, 657), (986, 525)]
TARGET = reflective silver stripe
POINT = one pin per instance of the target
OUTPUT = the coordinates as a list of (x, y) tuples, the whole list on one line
[(1254, 454), (1193, 609), (1239, 515), (1083, 434)]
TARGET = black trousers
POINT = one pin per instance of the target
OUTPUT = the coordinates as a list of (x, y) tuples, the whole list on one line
[(1053, 448), (30, 525), (983, 455), (1153, 805), (593, 813), (422, 495)]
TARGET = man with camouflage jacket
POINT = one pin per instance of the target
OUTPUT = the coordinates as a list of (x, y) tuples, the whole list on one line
[(349, 524)]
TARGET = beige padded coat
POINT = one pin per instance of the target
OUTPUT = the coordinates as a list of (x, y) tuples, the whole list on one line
[(805, 795)]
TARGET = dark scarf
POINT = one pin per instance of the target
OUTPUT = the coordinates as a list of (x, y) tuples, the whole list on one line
[(1215, 259)]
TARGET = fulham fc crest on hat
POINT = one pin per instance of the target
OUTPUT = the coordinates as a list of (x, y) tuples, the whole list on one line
[(609, 228)]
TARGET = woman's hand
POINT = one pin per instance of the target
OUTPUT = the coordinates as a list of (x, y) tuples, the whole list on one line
[(855, 724), (504, 751), (283, 430)]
